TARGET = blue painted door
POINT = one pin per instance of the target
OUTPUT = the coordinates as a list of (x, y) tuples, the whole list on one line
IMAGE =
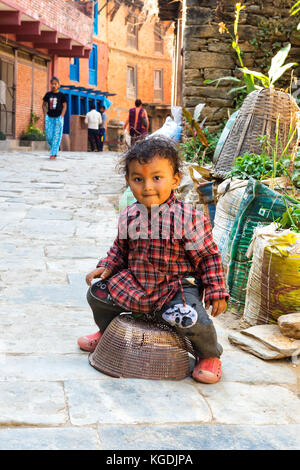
[(74, 70), (93, 61)]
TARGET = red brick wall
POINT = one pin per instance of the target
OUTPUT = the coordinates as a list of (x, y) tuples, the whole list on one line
[(23, 97), (24, 88), (146, 60), (40, 88), (61, 15)]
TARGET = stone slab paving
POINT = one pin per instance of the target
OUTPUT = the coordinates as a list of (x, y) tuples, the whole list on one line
[(57, 219), (134, 401), (49, 439), (203, 436)]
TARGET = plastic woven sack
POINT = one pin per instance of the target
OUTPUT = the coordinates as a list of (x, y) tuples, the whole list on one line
[(127, 198), (265, 281), (260, 206), (230, 194)]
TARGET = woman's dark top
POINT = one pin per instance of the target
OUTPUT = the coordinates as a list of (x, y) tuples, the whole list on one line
[(140, 129), (55, 103)]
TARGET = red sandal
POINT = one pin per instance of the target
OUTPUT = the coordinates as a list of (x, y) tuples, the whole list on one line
[(207, 371), (89, 342)]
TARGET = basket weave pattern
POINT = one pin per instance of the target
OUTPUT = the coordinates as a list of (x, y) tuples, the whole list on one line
[(141, 349), (258, 116)]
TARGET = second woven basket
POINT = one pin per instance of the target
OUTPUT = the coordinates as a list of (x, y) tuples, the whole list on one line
[(263, 113)]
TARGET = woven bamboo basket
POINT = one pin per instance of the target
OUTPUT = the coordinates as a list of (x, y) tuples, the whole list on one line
[(258, 116), (141, 349)]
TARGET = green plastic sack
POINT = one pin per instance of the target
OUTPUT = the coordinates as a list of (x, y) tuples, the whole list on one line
[(260, 206), (126, 199)]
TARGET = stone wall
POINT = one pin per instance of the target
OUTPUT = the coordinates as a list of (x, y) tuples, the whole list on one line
[(264, 27)]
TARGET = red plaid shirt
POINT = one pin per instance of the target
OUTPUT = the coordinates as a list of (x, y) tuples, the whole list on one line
[(151, 255)]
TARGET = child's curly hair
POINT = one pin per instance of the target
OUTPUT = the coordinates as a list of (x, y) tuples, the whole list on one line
[(145, 150)]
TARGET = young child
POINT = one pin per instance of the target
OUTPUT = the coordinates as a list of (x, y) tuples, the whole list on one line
[(161, 242)]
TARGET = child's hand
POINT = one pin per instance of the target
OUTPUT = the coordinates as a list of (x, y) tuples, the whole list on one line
[(218, 306), (103, 273)]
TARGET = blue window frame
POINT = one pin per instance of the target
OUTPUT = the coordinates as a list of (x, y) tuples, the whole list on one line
[(74, 70), (95, 29), (93, 61)]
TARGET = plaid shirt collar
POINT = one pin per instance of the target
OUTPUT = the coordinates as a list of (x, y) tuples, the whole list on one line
[(155, 217)]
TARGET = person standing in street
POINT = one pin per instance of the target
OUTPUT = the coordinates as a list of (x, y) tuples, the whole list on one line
[(102, 127), (93, 119), (138, 122), (54, 109)]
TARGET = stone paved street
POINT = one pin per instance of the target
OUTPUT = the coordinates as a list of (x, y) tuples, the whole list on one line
[(57, 219)]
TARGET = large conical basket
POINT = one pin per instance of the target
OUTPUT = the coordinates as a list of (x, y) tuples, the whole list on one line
[(141, 349), (263, 113)]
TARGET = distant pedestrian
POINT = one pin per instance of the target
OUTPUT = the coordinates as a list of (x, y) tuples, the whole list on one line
[(102, 127), (93, 119), (138, 122), (54, 109)]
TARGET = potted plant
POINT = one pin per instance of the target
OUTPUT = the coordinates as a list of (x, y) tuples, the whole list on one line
[(33, 136)]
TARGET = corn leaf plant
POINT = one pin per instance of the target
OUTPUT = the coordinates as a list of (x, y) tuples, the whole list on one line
[(193, 125), (291, 217)]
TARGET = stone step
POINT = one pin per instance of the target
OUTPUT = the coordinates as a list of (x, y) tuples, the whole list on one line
[(19, 149)]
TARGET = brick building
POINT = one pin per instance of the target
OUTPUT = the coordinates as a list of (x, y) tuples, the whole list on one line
[(33, 34), (139, 60), (104, 51), (131, 58)]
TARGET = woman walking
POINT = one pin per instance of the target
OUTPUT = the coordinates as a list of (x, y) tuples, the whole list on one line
[(138, 122), (54, 109)]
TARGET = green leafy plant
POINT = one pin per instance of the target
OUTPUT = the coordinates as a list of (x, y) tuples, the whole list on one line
[(32, 132), (251, 78), (263, 167), (200, 147), (251, 164), (195, 151), (291, 217), (294, 10), (36, 136), (2, 136), (296, 172)]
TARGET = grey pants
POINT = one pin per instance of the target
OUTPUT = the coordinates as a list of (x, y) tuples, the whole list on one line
[(191, 321)]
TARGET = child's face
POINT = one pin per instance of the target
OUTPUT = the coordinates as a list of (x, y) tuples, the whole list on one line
[(54, 86), (151, 183)]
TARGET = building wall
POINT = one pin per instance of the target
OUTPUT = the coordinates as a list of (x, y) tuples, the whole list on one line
[(63, 69), (30, 81), (40, 85), (113, 57), (65, 16), (264, 28), (144, 58), (31, 87)]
